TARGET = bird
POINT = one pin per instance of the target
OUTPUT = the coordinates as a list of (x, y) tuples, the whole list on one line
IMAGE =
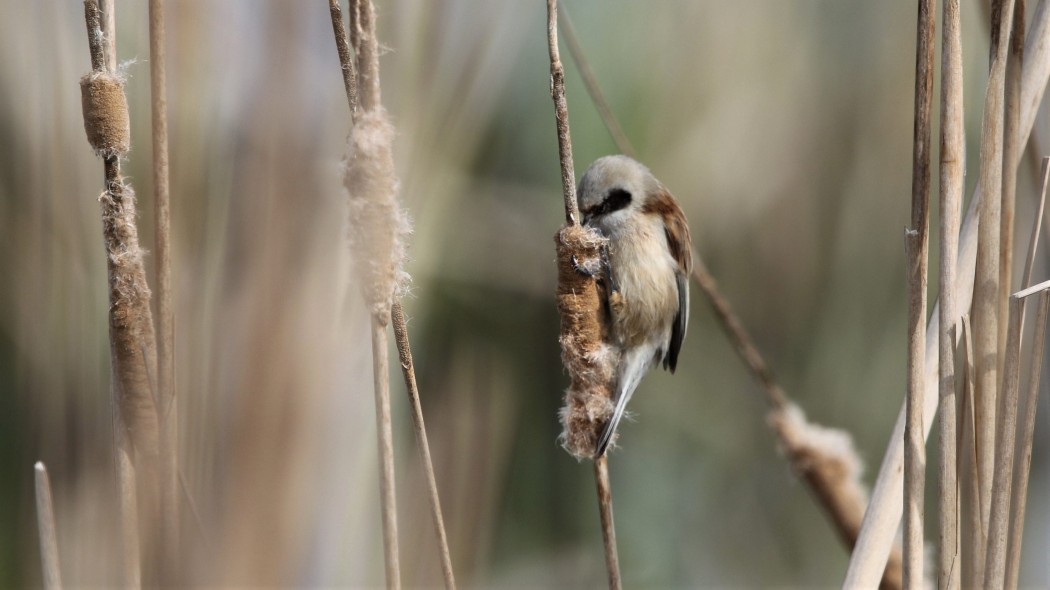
[(646, 263)]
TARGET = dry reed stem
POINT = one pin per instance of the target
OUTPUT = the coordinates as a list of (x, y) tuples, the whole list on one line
[(589, 396), (45, 519), (128, 497), (612, 125), (1024, 457), (381, 382), (952, 170), (367, 50), (109, 30), (917, 256), (167, 400), (998, 522), (968, 460), (346, 60), (378, 231), (882, 518), (605, 509), (561, 117), (132, 343), (404, 350), (1012, 152), (986, 282)]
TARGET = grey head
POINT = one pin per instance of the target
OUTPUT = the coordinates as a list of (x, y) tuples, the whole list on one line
[(611, 188)]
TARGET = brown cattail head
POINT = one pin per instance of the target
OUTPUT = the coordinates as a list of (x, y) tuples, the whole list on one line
[(378, 226), (130, 319), (105, 113), (584, 351)]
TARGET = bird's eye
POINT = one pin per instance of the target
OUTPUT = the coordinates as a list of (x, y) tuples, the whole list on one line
[(617, 199)]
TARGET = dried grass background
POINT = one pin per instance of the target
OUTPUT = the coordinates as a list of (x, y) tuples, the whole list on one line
[(783, 128)]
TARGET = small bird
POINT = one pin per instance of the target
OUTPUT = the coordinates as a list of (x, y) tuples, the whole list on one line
[(647, 268)]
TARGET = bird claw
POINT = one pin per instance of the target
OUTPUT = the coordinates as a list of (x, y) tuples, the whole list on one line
[(600, 267), (590, 267)]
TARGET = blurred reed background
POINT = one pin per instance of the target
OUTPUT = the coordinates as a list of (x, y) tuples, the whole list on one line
[(783, 128)]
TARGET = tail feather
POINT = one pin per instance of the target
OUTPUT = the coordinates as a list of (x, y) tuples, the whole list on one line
[(610, 426), (633, 367)]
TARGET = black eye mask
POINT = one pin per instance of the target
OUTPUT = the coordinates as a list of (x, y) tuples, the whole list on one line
[(615, 200)]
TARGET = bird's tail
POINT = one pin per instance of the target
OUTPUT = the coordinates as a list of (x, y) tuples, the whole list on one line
[(610, 426)]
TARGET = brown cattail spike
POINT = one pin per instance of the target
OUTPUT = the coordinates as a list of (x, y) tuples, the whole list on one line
[(105, 113), (590, 362)]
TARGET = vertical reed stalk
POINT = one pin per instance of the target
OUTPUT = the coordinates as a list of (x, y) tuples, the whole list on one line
[(350, 83), (917, 249), (346, 60), (132, 340), (167, 401), (968, 464), (45, 518), (381, 381), (128, 498), (998, 522), (377, 233), (952, 154), (1012, 152), (605, 510), (576, 321), (109, 33), (986, 282), (1024, 456)]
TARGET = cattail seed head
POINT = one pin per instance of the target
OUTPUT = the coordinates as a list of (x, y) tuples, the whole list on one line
[(379, 228)]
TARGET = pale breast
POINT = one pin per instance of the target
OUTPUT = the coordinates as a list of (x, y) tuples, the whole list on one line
[(645, 273)]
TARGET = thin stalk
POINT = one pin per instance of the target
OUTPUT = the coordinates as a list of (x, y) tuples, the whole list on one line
[(367, 49), (572, 215), (132, 341), (385, 434), (917, 247), (968, 443), (404, 350), (366, 46), (561, 117), (167, 401), (45, 518), (986, 282), (952, 154), (1024, 456), (350, 82), (1012, 152), (109, 33), (346, 60), (1006, 429), (605, 510), (128, 498)]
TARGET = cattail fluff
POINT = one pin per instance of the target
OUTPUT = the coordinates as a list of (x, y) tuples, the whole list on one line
[(379, 228)]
